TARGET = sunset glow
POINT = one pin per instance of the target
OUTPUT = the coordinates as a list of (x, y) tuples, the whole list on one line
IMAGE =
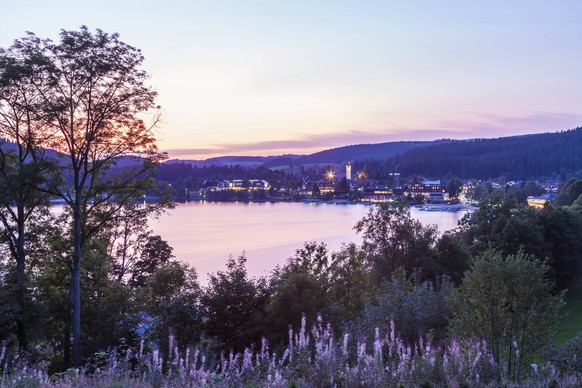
[(266, 77)]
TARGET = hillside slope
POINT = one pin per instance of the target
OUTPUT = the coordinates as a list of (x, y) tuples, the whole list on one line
[(517, 157)]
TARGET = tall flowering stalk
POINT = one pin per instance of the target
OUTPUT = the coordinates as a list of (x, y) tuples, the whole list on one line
[(311, 358)]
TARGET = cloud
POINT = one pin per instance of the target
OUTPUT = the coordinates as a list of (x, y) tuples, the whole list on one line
[(303, 144), (483, 125), (478, 125)]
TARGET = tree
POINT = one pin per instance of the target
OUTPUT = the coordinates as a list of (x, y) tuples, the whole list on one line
[(569, 192), (156, 253), (93, 103), (128, 236), (453, 256), (393, 239), (453, 186), (231, 302), (349, 283), (171, 297), (22, 167), (563, 240), (342, 186), (300, 290), (416, 307), (507, 302), (552, 233), (315, 282)]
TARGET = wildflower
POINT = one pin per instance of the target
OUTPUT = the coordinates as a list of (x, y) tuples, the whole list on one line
[(181, 369), (476, 359), (248, 359), (361, 350), (516, 348), (377, 346), (3, 350), (285, 355), (264, 346), (345, 344), (155, 360), (170, 343)]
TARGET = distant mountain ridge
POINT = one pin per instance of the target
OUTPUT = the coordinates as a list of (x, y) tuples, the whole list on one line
[(337, 155), (522, 156), (547, 154), (248, 161), (364, 151)]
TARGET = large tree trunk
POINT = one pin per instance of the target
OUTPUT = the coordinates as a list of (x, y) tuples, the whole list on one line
[(67, 333), (76, 288), (20, 282)]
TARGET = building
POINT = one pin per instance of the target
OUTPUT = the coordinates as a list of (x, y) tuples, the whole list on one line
[(377, 194), (243, 184), (425, 188), (541, 201), (349, 171)]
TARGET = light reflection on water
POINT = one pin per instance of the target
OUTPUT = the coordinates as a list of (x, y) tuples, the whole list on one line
[(204, 234)]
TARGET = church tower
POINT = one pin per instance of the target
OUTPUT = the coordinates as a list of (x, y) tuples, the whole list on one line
[(349, 171)]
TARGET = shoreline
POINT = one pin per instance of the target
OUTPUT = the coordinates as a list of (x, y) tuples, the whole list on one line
[(421, 207)]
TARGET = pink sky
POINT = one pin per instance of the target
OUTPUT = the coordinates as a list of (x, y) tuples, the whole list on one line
[(273, 77)]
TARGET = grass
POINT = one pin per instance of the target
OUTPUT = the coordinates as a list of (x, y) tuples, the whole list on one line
[(571, 325)]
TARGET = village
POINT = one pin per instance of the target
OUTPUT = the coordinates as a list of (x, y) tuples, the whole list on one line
[(347, 187)]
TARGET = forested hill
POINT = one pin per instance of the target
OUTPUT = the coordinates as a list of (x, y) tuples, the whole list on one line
[(361, 152), (339, 155), (517, 157)]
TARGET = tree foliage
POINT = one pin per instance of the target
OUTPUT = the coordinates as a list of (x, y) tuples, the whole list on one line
[(507, 301), (171, 297), (22, 171), (554, 233), (414, 307), (392, 239), (231, 303), (90, 100), (154, 254)]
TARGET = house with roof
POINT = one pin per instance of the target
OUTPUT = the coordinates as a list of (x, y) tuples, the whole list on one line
[(425, 188)]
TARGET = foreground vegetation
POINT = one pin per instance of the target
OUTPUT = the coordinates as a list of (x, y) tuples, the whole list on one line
[(312, 358), (407, 307)]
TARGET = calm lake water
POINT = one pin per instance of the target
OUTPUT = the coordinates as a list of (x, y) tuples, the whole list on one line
[(204, 234)]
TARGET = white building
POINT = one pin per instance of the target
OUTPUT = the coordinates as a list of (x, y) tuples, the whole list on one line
[(349, 171), (241, 184)]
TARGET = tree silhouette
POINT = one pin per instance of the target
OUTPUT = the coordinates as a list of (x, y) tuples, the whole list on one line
[(94, 105), (22, 166)]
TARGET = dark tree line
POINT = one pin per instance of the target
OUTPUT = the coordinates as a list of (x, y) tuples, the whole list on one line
[(518, 157)]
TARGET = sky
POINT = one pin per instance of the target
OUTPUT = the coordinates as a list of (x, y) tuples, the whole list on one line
[(298, 76)]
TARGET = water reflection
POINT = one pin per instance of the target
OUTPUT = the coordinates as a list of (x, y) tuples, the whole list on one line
[(204, 234)]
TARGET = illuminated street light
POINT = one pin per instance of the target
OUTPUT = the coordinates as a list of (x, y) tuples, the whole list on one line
[(330, 175)]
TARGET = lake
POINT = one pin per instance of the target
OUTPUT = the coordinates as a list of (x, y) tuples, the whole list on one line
[(204, 234)]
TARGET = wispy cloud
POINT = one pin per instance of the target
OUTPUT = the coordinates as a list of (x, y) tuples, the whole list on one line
[(479, 125)]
